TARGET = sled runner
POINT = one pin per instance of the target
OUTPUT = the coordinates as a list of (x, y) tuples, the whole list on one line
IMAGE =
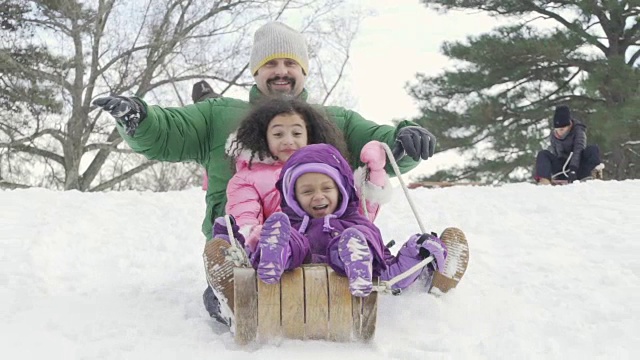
[(311, 302)]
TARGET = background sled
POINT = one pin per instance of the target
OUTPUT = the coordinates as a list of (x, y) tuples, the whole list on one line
[(312, 302)]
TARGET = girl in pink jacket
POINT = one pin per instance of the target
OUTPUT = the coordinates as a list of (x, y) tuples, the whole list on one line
[(266, 138)]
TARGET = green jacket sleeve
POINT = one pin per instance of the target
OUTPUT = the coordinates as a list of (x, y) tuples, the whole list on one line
[(358, 131), (174, 134)]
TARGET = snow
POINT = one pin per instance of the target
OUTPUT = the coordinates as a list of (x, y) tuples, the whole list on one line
[(553, 274)]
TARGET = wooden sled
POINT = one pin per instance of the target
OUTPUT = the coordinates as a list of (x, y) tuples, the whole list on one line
[(312, 302)]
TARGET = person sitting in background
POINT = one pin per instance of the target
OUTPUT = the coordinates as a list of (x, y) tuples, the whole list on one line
[(568, 155)]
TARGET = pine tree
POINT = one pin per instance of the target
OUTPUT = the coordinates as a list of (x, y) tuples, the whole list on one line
[(498, 101), (20, 91)]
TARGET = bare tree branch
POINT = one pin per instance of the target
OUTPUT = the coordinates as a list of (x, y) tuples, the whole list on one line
[(57, 134), (12, 186), (121, 47), (108, 184), (35, 151)]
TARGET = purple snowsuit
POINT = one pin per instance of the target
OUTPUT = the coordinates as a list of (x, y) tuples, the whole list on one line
[(315, 240)]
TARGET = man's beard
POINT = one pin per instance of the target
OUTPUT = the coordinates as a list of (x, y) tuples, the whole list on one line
[(279, 93)]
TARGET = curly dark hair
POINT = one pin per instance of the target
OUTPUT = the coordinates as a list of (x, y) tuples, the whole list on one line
[(252, 133)]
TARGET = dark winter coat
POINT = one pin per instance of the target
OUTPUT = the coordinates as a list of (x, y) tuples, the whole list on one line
[(199, 132), (323, 232), (575, 140)]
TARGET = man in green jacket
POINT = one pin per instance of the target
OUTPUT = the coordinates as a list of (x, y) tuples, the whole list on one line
[(198, 132), (279, 64)]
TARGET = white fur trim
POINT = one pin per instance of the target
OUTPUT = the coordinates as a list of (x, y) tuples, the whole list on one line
[(372, 192), (246, 230)]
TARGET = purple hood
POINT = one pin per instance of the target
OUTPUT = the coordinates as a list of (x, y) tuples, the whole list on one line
[(322, 158)]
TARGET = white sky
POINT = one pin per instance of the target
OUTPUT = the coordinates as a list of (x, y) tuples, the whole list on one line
[(402, 39), (553, 274)]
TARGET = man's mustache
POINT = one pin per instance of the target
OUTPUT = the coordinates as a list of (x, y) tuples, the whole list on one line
[(282, 78)]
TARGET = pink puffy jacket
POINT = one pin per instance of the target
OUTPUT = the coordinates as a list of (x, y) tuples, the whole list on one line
[(251, 193)]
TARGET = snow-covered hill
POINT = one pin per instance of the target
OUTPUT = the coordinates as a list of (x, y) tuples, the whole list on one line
[(554, 274)]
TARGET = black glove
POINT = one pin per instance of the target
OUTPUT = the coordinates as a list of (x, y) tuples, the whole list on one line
[(414, 141), (572, 175), (129, 112), (202, 91)]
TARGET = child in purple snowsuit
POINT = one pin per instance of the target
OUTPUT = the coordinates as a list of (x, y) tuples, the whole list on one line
[(320, 223)]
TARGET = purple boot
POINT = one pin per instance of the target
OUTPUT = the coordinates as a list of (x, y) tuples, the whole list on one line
[(357, 258), (274, 248)]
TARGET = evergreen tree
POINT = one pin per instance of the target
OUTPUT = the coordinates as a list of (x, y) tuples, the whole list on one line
[(20, 91), (498, 102)]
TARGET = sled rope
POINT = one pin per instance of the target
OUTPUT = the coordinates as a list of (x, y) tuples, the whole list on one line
[(564, 168), (385, 286), (363, 194), (394, 165), (235, 253)]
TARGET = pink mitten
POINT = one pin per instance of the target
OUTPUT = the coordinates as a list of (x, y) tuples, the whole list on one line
[(374, 157)]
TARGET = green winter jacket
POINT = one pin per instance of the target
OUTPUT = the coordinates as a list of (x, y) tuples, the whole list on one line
[(199, 132)]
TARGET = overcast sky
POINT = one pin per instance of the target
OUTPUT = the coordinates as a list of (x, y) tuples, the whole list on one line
[(402, 39)]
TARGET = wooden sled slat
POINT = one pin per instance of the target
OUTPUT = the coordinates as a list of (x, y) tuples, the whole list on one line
[(268, 311), (356, 317), (365, 316), (292, 302), (317, 302), (312, 302), (246, 305), (340, 308), (369, 317)]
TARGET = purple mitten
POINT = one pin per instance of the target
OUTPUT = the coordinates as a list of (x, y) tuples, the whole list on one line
[(433, 246), (354, 252), (424, 245), (411, 248), (220, 230), (275, 251)]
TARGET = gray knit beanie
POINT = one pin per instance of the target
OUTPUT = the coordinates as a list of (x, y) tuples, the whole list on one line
[(276, 40)]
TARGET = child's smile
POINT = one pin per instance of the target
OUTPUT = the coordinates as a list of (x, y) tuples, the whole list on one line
[(317, 194), (286, 133)]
